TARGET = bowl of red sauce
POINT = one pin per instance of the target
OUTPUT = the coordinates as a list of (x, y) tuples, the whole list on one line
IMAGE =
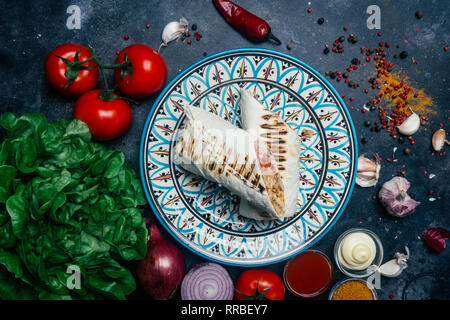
[(308, 274)]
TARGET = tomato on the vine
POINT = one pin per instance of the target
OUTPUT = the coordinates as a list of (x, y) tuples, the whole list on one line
[(106, 115), (258, 284), (144, 71), (66, 72)]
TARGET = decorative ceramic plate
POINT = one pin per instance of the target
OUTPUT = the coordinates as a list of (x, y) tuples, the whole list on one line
[(203, 216)]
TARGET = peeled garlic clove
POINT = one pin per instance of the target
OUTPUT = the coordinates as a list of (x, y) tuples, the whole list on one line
[(438, 140), (410, 125), (368, 172), (390, 269)]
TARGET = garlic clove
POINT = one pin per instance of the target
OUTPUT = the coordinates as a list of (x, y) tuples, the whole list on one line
[(368, 172), (410, 125), (393, 268), (438, 140), (173, 30), (390, 269)]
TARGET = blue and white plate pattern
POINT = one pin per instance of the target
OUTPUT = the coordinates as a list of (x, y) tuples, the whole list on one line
[(204, 216)]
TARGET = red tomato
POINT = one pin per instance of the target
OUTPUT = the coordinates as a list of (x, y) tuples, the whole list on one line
[(253, 282), (145, 74), (106, 119), (69, 77)]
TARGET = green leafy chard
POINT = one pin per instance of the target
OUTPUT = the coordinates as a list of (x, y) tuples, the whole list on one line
[(66, 201)]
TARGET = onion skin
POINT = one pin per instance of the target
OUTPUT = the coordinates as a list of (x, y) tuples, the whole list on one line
[(163, 268), (435, 238), (394, 198)]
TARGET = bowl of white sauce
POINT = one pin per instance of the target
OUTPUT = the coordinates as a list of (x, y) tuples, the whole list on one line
[(358, 252)]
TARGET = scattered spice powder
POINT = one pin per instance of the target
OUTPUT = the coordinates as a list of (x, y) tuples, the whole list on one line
[(353, 290), (398, 94)]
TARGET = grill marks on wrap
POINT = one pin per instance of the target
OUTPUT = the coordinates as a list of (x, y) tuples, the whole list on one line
[(274, 133), (219, 159)]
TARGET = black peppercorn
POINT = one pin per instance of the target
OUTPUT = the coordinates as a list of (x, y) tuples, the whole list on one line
[(354, 60), (419, 14), (367, 123), (403, 54), (407, 151), (401, 140), (363, 140), (345, 75), (320, 20), (194, 27), (333, 75), (341, 39), (340, 46), (289, 46), (326, 51)]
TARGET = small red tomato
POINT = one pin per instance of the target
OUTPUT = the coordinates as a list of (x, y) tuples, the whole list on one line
[(107, 119), (144, 71), (257, 283), (66, 74)]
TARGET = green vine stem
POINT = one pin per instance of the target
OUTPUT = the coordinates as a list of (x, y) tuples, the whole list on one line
[(108, 94)]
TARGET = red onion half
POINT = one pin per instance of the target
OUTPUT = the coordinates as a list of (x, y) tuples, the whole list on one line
[(207, 281), (163, 268)]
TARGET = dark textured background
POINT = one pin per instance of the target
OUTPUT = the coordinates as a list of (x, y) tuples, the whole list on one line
[(30, 29)]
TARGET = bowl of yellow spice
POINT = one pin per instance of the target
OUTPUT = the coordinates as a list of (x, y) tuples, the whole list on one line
[(352, 289)]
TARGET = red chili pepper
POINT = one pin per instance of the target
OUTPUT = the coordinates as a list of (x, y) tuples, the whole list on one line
[(250, 25)]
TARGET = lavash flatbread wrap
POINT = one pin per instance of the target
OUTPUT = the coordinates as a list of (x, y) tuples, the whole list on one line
[(284, 144), (219, 151)]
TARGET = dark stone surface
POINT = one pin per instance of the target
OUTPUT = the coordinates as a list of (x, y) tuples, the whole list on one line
[(31, 29)]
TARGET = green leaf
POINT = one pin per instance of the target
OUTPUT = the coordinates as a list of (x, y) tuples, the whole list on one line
[(67, 201), (7, 174), (11, 263), (115, 165), (26, 155), (7, 238), (16, 207), (51, 139), (77, 128), (118, 288), (9, 121), (4, 151), (13, 289), (62, 180)]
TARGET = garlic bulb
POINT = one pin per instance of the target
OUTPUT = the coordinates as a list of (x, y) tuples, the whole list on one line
[(173, 30), (410, 125), (368, 172), (438, 140), (394, 198)]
